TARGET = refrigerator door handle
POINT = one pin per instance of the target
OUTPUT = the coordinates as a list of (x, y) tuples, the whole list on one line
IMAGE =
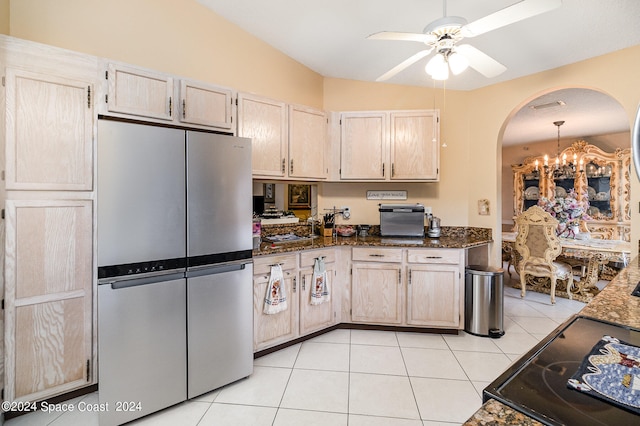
[(217, 269), (120, 283)]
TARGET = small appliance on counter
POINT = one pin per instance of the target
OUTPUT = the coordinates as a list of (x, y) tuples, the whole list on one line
[(433, 229), (401, 220)]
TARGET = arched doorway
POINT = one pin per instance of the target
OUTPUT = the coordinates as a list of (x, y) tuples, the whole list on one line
[(589, 115)]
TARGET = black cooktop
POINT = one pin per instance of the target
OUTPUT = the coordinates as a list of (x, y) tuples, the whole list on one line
[(537, 383)]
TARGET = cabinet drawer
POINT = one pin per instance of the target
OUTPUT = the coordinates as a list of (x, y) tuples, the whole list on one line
[(373, 254), (307, 258), (433, 255), (262, 265)]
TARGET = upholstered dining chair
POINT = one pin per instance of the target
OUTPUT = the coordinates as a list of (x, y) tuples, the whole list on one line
[(539, 246)]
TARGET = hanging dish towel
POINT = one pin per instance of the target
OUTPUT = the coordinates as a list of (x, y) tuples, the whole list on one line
[(320, 290), (276, 298)]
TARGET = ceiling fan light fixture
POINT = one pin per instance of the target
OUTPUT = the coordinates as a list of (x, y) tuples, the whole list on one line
[(435, 63), (458, 63), (441, 72)]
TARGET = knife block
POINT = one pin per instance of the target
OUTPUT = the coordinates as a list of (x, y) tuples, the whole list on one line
[(326, 232)]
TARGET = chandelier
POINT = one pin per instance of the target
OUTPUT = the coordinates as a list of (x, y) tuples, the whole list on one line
[(562, 168)]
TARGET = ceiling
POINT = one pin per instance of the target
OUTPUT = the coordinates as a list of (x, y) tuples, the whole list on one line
[(329, 37)]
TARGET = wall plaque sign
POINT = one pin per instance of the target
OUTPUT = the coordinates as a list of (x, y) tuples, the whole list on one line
[(386, 195)]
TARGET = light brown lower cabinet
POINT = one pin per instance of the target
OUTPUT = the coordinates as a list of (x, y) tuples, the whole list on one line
[(316, 317), (48, 297), (434, 287), (273, 329), (300, 317)]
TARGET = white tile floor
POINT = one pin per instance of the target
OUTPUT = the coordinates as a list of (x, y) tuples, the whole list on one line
[(361, 377)]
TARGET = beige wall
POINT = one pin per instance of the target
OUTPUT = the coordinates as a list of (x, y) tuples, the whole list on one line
[(491, 108), (186, 39), (178, 37), (448, 198), (4, 17)]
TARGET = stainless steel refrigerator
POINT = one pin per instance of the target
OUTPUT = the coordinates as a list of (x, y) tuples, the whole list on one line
[(174, 265)]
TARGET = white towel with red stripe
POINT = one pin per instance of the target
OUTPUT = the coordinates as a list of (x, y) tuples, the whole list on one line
[(320, 289), (276, 298)]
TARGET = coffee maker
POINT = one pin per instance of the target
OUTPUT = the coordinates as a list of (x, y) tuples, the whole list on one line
[(433, 229)]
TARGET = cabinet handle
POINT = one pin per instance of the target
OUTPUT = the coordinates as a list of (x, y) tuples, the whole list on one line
[(382, 169), (170, 107), (283, 165), (393, 169), (376, 255), (294, 284), (399, 277), (409, 278), (291, 166), (433, 257), (184, 108), (304, 282)]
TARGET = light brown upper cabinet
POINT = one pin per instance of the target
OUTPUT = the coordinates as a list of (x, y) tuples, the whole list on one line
[(265, 122), (134, 92), (206, 105), (139, 92), (363, 147), (307, 143), (414, 147), (288, 141), (389, 145), (49, 132)]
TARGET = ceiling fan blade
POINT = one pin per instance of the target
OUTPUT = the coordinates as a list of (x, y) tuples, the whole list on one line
[(480, 61), (404, 64), (391, 35), (514, 13)]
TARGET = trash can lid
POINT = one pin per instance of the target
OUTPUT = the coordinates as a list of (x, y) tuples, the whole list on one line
[(483, 270)]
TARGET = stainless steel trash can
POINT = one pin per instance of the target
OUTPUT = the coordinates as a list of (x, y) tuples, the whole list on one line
[(484, 301)]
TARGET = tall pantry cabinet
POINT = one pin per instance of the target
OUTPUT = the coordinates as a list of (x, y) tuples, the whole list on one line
[(48, 139)]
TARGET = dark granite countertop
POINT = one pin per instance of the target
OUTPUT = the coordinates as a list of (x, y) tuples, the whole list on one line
[(614, 303), (452, 237)]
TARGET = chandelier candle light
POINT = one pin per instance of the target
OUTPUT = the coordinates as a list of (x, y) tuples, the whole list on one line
[(560, 170)]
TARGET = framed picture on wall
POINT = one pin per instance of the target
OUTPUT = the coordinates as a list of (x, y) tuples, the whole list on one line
[(269, 192), (299, 196)]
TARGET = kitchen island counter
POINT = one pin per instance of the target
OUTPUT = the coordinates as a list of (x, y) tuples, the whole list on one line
[(614, 304), (452, 237)]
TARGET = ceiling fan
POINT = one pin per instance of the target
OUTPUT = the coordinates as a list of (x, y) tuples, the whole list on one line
[(445, 33)]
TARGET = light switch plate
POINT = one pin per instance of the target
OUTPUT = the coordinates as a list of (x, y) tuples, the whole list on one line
[(483, 207)]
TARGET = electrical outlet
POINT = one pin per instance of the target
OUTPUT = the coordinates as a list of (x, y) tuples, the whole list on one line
[(427, 210), (346, 212)]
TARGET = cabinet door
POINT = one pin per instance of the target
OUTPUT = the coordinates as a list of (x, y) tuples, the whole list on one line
[(376, 293), (265, 122), (414, 145), (270, 330), (315, 317), (363, 146), (433, 296), (49, 273), (206, 105), (139, 92), (49, 132), (307, 143)]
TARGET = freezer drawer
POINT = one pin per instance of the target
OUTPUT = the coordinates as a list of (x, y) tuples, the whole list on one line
[(219, 326), (142, 341)]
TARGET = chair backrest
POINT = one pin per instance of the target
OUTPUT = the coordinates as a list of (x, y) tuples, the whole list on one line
[(536, 239)]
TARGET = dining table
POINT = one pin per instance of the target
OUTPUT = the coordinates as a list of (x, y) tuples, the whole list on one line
[(597, 258)]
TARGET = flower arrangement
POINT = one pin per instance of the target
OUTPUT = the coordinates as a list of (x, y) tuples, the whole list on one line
[(569, 211)]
